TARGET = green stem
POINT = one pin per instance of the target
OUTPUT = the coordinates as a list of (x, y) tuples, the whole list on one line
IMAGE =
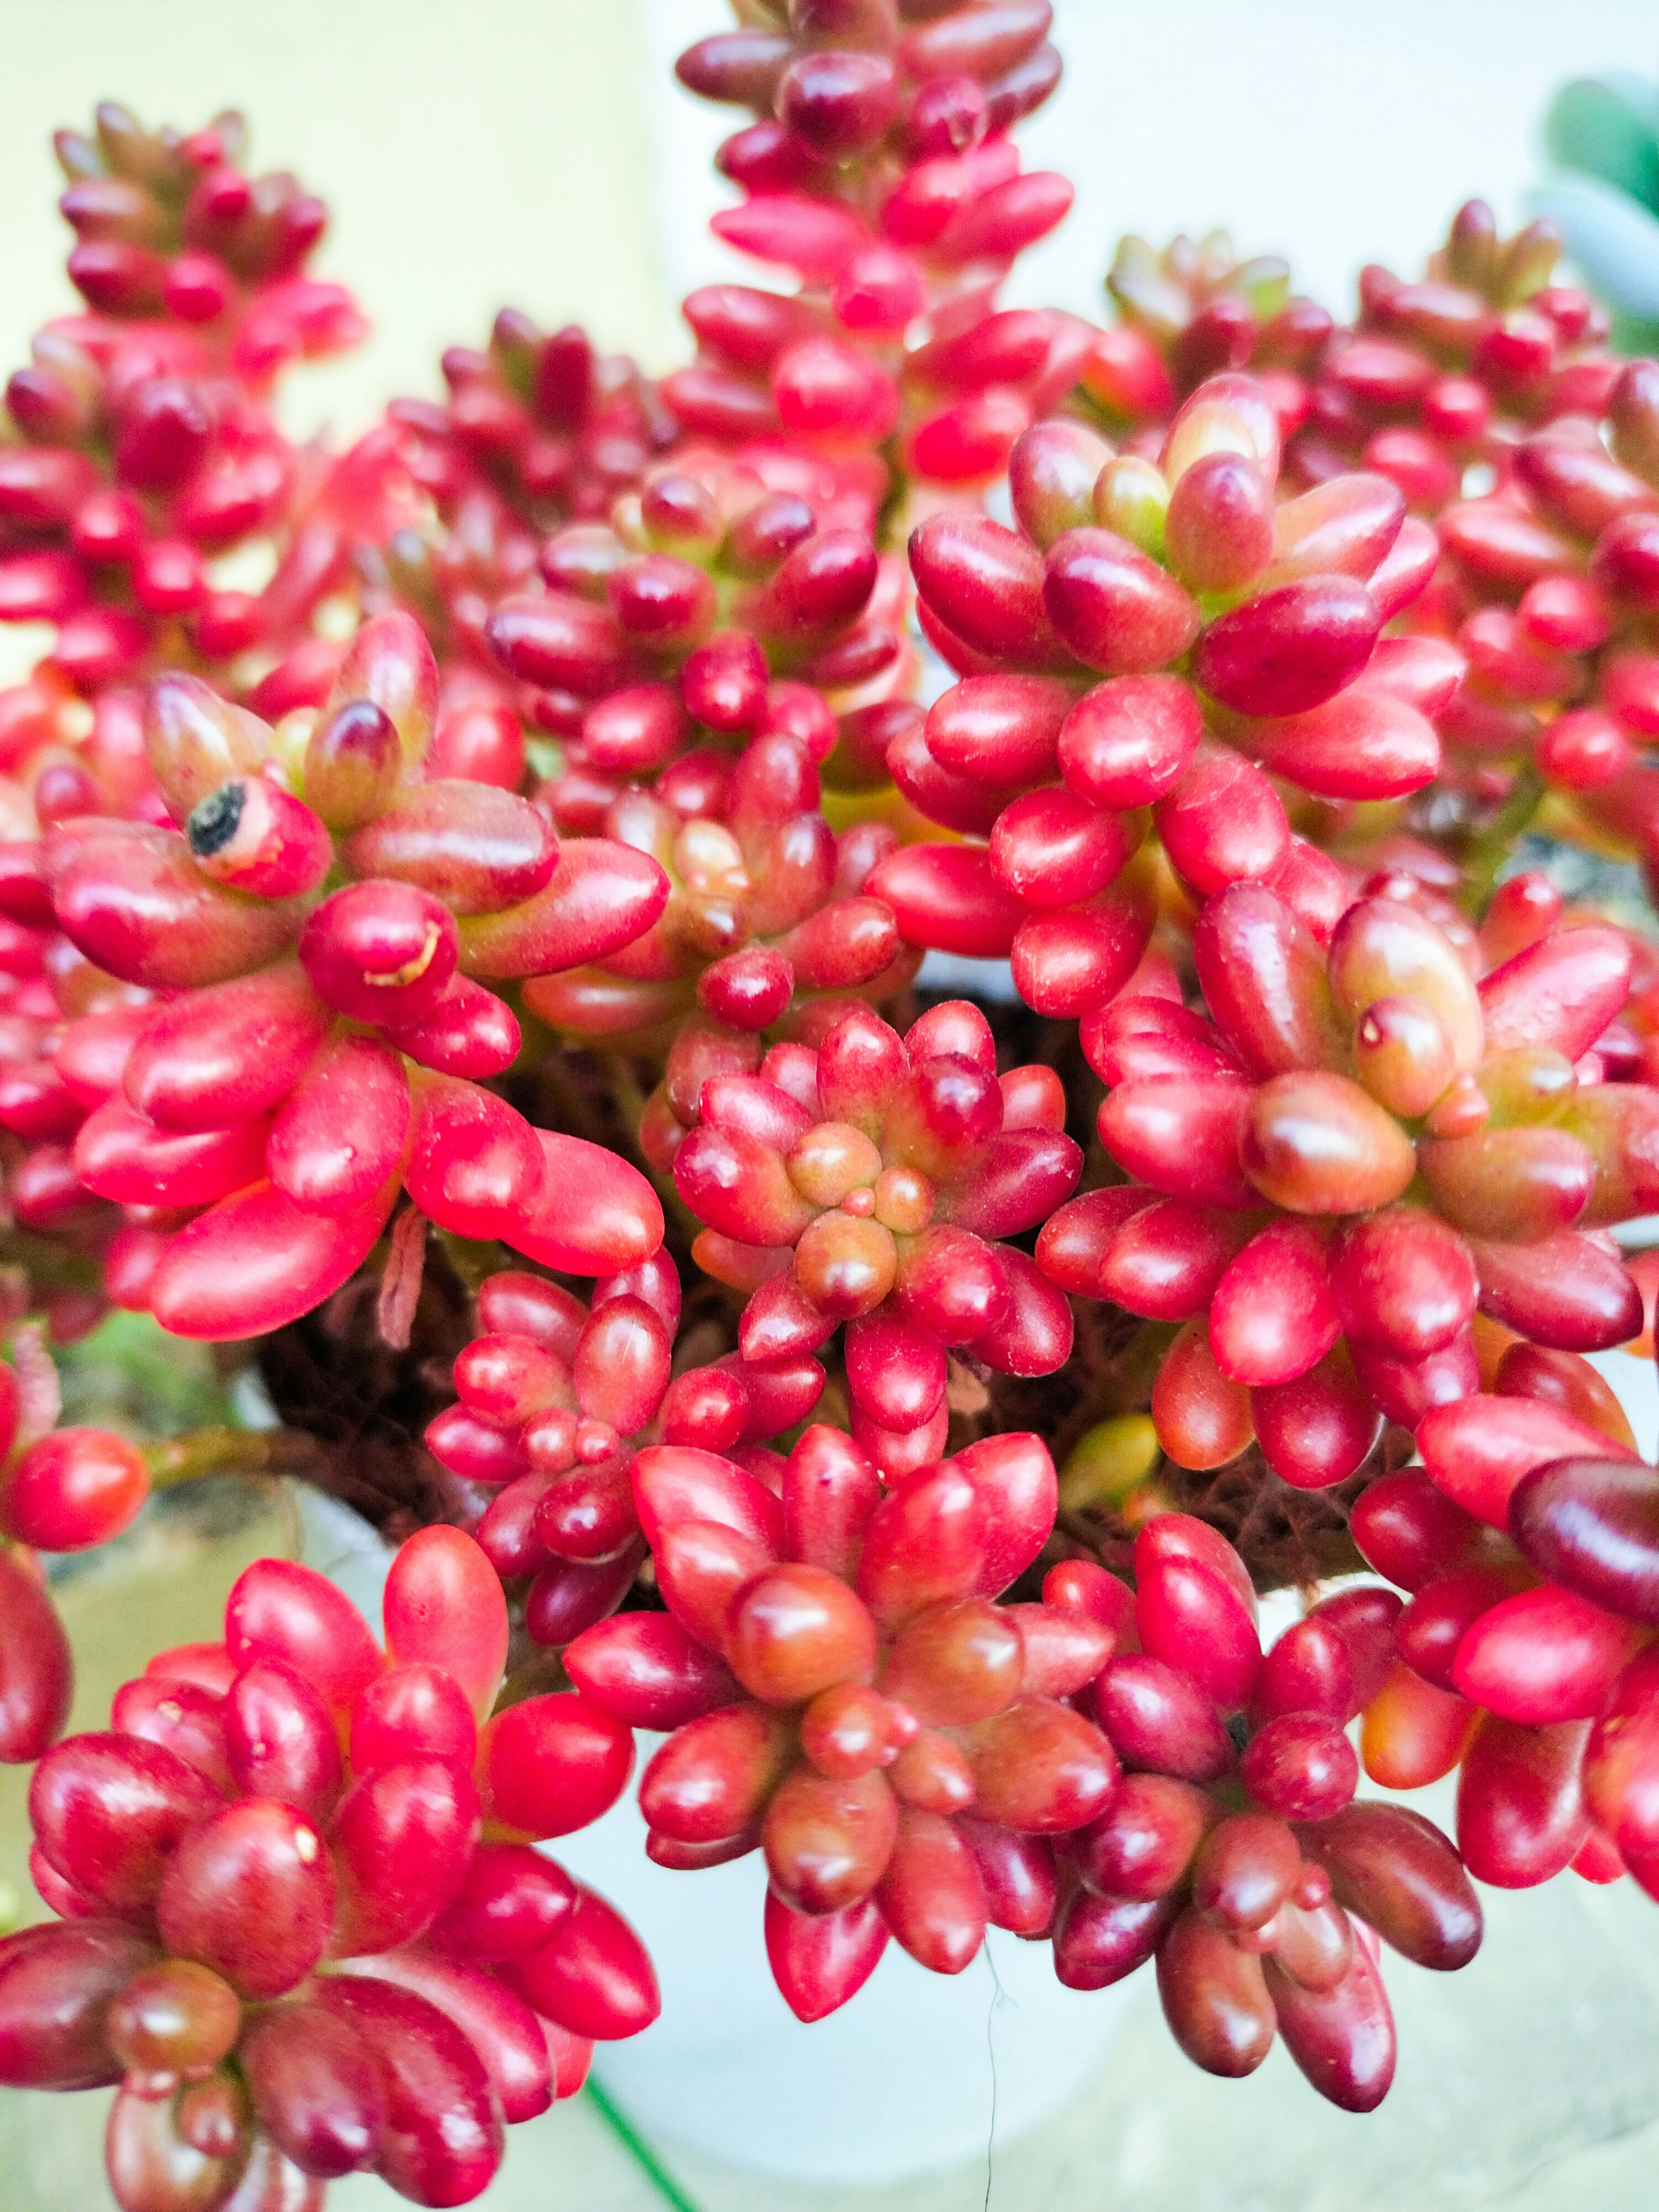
[(48, 1266), (1489, 851), (893, 501), (470, 1260), (640, 2151), (534, 1679), (203, 1452)]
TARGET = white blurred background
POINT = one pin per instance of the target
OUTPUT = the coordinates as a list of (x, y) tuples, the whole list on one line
[(1333, 132), (471, 156)]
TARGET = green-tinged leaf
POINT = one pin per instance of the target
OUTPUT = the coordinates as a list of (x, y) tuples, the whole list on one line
[(1265, 282), (1601, 127)]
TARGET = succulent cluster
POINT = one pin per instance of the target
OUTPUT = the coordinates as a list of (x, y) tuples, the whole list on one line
[(880, 172), (555, 1402), (279, 1930), (1449, 373), (868, 1182), (1234, 1852), (1201, 310), (142, 448), (1242, 644), (289, 1055), (1359, 1150), (842, 1691), (476, 977)]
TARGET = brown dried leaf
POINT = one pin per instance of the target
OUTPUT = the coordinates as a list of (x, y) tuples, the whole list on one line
[(400, 1283)]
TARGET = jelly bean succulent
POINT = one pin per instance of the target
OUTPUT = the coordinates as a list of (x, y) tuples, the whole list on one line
[(485, 980), (1447, 372), (1360, 1148), (842, 1692), (1547, 590), (310, 1050), (142, 448), (1202, 310), (1240, 635), (560, 429), (1234, 1852), (870, 1183), (880, 172), (281, 1932)]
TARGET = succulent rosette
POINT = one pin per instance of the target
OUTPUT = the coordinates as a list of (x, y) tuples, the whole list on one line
[(1233, 1851), (441, 509), (1241, 641), (560, 429), (143, 449), (274, 2011), (1358, 1150), (138, 464), (768, 921), (880, 172), (1202, 310), (842, 1691), (171, 228), (1524, 1659), (870, 1183), (1548, 592), (698, 591), (316, 1048), (1520, 1659), (723, 675), (1450, 371)]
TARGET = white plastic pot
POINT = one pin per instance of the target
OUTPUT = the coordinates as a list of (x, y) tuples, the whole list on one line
[(905, 2079)]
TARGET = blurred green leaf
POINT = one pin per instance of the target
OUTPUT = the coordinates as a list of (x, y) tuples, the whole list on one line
[(1603, 128), (130, 1376), (1612, 240)]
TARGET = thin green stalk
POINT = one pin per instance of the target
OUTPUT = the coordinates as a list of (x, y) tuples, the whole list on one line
[(640, 2151), (1489, 851), (203, 1452)]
